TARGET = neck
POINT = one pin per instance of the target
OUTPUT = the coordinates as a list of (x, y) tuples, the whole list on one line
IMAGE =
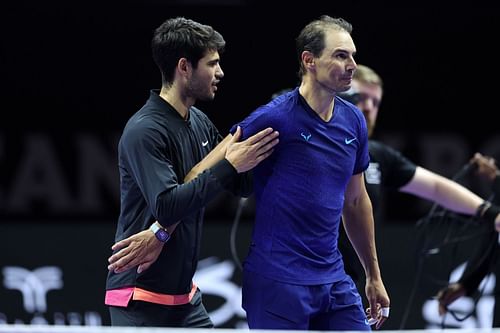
[(180, 103), (318, 98)]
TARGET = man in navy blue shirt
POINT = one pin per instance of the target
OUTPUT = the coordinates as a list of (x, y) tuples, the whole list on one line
[(293, 275)]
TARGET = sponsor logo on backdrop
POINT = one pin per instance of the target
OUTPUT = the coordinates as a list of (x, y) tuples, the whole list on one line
[(213, 277), (33, 286)]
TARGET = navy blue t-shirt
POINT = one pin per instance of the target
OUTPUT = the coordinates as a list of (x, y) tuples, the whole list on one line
[(299, 189)]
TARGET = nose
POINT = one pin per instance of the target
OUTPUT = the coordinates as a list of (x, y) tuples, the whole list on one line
[(219, 73), (352, 65), (366, 106)]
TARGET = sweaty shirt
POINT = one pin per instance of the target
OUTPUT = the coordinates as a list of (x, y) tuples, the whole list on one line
[(299, 189)]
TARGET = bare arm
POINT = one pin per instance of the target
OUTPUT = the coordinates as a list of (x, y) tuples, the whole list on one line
[(359, 226), (447, 193), (450, 194)]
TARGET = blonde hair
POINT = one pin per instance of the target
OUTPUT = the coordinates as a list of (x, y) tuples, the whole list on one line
[(367, 75)]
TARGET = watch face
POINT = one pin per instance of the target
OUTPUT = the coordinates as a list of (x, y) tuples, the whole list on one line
[(162, 235)]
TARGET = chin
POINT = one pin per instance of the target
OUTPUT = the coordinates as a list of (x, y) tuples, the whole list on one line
[(206, 98)]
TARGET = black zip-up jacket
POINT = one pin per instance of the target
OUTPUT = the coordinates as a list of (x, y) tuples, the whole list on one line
[(156, 151)]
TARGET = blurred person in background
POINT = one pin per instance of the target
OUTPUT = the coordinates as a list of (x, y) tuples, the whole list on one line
[(484, 260), (389, 169)]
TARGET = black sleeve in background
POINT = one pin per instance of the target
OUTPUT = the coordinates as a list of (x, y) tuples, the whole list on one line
[(481, 263)]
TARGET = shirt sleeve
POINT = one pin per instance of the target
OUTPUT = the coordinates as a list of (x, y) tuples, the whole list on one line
[(149, 161), (258, 120), (397, 169)]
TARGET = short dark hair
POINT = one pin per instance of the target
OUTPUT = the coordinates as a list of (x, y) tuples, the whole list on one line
[(312, 36), (182, 38)]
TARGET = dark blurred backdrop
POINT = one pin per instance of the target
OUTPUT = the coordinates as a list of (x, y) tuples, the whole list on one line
[(72, 72)]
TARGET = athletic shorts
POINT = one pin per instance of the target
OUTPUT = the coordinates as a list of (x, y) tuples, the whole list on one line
[(271, 304)]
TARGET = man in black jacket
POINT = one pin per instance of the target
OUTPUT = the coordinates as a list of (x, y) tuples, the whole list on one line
[(172, 163)]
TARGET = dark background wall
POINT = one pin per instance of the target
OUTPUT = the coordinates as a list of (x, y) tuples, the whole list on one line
[(73, 72)]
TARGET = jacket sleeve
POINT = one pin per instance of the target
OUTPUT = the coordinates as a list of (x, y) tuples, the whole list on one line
[(149, 160)]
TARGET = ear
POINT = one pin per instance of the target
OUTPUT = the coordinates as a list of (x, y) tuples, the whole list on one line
[(183, 67), (308, 60)]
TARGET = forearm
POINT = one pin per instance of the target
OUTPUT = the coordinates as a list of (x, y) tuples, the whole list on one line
[(457, 198), (186, 199), (216, 155), (445, 192), (359, 226), (240, 185)]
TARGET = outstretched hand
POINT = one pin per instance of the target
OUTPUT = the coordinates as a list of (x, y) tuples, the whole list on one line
[(141, 250), (247, 154)]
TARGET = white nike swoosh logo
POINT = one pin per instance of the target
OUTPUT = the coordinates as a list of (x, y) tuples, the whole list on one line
[(204, 143), (348, 141)]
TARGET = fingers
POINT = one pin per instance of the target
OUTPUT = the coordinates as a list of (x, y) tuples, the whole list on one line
[(444, 298), (263, 156), (448, 295), (260, 135), (268, 144), (442, 309), (142, 267), (374, 306), (381, 321), (236, 135), (119, 261), (379, 317), (125, 263), (121, 244), (119, 255)]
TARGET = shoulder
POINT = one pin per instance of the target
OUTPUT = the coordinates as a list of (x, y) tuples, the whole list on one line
[(382, 148), (379, 147), (268, 114), (349, 107), (199, 116), (383, 153), (143, 127)]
